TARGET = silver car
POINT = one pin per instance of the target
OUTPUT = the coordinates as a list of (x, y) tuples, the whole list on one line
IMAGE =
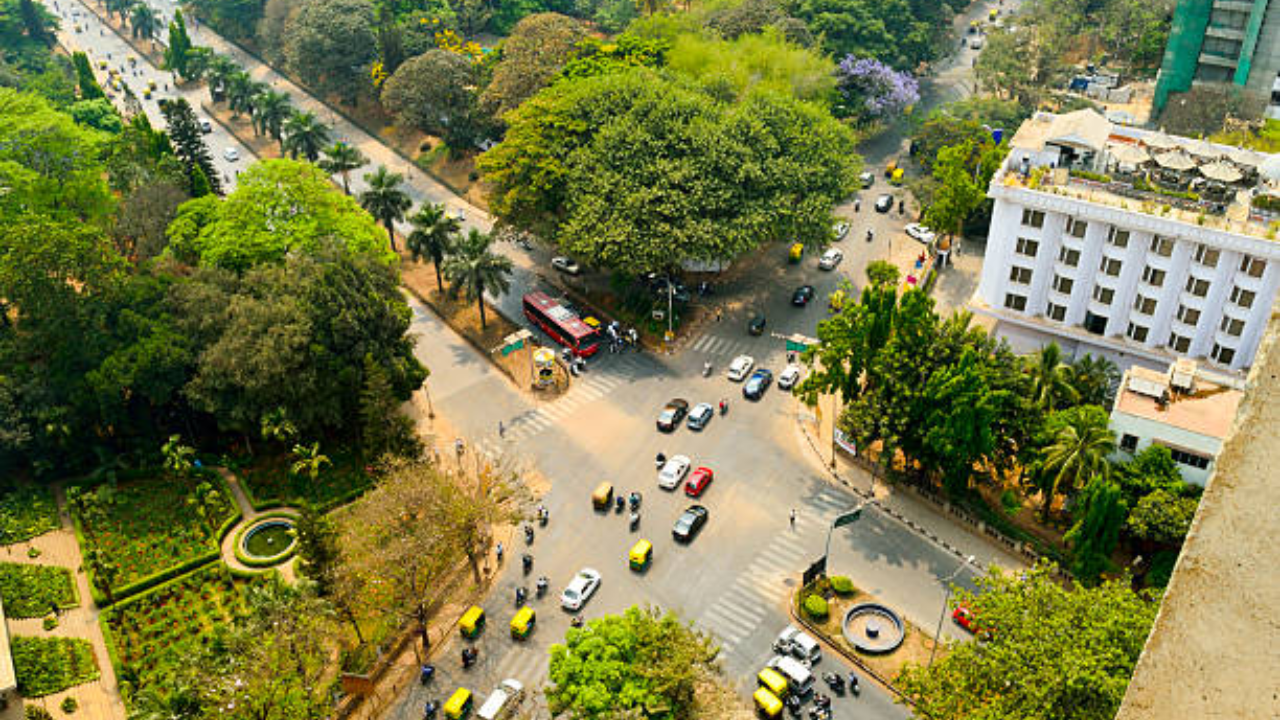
[(830, 259), (580, 589), (673, 472)]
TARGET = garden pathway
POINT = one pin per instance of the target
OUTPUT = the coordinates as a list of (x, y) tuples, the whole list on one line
[(247, 515), (98, 700)]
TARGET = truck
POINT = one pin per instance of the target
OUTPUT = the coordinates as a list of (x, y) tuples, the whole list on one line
[(503, 701)]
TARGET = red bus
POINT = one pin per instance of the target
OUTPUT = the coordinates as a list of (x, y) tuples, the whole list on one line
[(561, 324)]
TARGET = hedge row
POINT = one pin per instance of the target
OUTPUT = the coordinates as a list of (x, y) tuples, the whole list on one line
[(27, 512), (31, 591), (48, 665)]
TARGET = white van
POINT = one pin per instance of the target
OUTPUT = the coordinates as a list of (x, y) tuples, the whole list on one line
[(791, 641), (503, 701), (799, 679)]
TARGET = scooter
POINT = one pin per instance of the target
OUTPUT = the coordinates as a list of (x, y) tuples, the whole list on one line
[(522, 595), (528, 534), (527, 559), (870, 235), (576, 621), (469, 655), (619, 504), (430, 709), (543, 515), (724, 407), (542, 586), (660, 460), (634, 500), (835, 682), (635, 521), (427, 672), (853, 685), (706, 369)]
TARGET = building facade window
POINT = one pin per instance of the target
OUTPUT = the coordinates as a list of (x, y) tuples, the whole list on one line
[(1077, 228), (1188, 315), (1069, 257), (1243, 298), (1028, 247), (1103, 295), (1252, 266), (1183, 457), (1015, 302), (1232, 326), (1063, 284), (1197, 287), (1144, 305), (1153, 277), (1056, 313), (1020, 275), (1222, 354), (1110, 266), (1136, 333), (1032, 218), (1179, 344), (1119, 238), (1129, 443), (1094, 323), (1207, 256), (1162, 246)]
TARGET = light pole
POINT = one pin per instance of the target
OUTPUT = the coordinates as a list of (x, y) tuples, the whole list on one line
[(937, 635)]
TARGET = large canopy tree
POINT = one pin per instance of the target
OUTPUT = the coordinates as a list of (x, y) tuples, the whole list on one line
[(435, 92), (330, 44), (538, 47)]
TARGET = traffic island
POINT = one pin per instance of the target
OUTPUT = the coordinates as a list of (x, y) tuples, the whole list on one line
[(862, 628)]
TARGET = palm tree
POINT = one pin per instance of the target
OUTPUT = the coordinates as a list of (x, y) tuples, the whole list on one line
[(304, 135), (1077, 456), (1051, 378), (143, 21), (433, 236), (119, 7), (1094, 379), (474, 269), (270, 111), (384, 199), (309, 460), (220, 70), (341, 158), (240, 93)]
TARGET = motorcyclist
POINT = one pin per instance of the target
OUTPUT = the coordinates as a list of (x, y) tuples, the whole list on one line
[(724, 406), (542, 585)]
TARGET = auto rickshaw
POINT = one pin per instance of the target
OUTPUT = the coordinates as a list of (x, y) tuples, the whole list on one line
[(102, 64), (795, 252), (772, 681), (641, 555), (890, 167), (995, 13), (458, 705), (767, 703), (897, 176), (146, 93), (602, 498), (523, 622), (151, 84), (472, 622)]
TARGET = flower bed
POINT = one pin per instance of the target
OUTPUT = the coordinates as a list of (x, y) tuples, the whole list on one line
[(30, 591), (269, 483), (26, 512), (162, 627), (48, 665), (150, 527)]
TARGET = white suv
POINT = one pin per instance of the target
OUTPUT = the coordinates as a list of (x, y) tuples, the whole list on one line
[(740, 367)]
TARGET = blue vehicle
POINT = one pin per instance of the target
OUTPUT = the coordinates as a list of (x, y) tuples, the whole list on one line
[(757, 384)]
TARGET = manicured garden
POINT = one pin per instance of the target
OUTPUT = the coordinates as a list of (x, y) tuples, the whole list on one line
[(30, 591), (270, 482), (164, 626), (26, 512), (150, 526), (48, 665)]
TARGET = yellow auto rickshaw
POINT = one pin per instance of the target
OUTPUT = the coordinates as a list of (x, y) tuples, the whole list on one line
[(472, 622), (458, 705), (151, 84), (897, 176), (767, 703), (889, 167), (641, 555), (795, 252), (102, 64), (995, 13), (591, 321), (772, 681), (146, 93), (602, 498), (523, 622)]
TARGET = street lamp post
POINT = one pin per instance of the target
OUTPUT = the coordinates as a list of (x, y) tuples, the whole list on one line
[(937, 635)]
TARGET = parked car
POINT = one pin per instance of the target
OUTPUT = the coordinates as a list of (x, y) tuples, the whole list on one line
[(884, 203), (580, 589), (231, 154), (671, 415), (700, 415), (690, 523), (788, 378), (919, 232), (802, 295), (566, 265), (740, 366), (698, 481), (658, 286), (206, 127), (841, 229), (830, 259), (673, 472), (757, 384), (755, 325)]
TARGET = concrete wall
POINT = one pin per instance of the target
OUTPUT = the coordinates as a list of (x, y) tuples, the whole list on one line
[(1149, 431)]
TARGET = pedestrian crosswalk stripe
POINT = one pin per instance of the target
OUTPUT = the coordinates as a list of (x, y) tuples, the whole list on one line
[(724, 628), (787, 543), (749, 613), (772, 564)]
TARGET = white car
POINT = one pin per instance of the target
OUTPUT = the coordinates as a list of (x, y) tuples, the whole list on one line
[(789, 377), (673, 472), (231, 154), (580, 589), (206, 127), (830, 259), (566, 265), (918, 232), (841, 229), (740, 367), (502, 702)]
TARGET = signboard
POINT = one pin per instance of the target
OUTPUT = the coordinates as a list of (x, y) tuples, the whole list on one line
[(815, 571), (847, 518), (508, 349), (844, 442)]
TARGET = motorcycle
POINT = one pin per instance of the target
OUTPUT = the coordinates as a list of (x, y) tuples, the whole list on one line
[(430, 709), (853, 685), (527, 560), (724, 407), (706, 369), (634, 500), (576, 621), (870, 235), (543, 515), (542, 586), (793, 705), (834, 681), (428, 672), (528, 534), (621, 503), (821, 700), (521, 596), (635, 521), (660, 460), (819, 713), (469, 655)]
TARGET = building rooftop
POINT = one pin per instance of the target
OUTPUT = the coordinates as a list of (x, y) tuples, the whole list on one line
[(1207, 410)]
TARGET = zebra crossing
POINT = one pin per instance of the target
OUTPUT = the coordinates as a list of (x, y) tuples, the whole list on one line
[(528, 663), (595, 384), (715, 345), (762, 585)]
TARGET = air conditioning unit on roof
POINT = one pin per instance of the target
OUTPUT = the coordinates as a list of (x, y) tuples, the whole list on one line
[(1182, 376)]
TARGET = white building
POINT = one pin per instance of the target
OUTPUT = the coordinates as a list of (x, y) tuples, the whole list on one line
[(1177, 409), (1131, 244)]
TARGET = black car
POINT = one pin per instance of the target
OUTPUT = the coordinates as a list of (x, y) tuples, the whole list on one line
[(802, 295), (672, 414), (689, 523), (755, 325), (658, 285), (757, 384), (884, 203)]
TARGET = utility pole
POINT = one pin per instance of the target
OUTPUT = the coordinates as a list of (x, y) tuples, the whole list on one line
[(937, 634)]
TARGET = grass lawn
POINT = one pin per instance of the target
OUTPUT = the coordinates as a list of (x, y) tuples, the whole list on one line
[(163, 627), (269, 482), (30, 591), (26, 512), (48, 665), (150, 527)]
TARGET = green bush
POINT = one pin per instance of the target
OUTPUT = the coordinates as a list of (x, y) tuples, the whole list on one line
[(842, 585), (270, 483), (31, 591), (49, 623), (816, 608), (48, 665), (69, 705), (35, 712), (33, 552), (26, 512)]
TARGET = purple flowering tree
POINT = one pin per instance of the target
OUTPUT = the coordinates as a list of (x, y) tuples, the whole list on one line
[(871, 90)]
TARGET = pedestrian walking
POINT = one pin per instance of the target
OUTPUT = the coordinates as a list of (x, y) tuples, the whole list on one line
[(793, 518), (499, 552), (457, 447), (719, 314), (502, 430)]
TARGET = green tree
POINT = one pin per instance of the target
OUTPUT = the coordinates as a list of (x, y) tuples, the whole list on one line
[(178, 52), (188, 143), (308, 460), (537, 48), (642, 661), (330, 44), (754, 62), (177, 457), (145, 216), (276, 427), (1051, 379), (434, 234), (198, 61), (1095, 534), (384, 429), (98, 114), (271, 110), (958, 193), (881, 273), (118, 7), (200, 184), (435, 92), (88, 84), (304, 135), (385, 200), (206, 502), (1094, 380), (240, 93), (318, 551), (474, 269), (143, 21), (341, 158), (1056, 651), (1020, 64), (37, 21), (1077, 455), (1162, 517), (219, 72)]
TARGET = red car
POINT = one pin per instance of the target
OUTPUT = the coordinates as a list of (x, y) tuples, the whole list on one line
[(968, 619), (698, 481)]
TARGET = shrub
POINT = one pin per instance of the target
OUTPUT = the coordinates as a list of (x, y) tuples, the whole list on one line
[(35, 712), (69, 705), (33, 552), (842, 585), (816, 608), (25, 513), (31, 591), (48, 665), (50, 622)]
